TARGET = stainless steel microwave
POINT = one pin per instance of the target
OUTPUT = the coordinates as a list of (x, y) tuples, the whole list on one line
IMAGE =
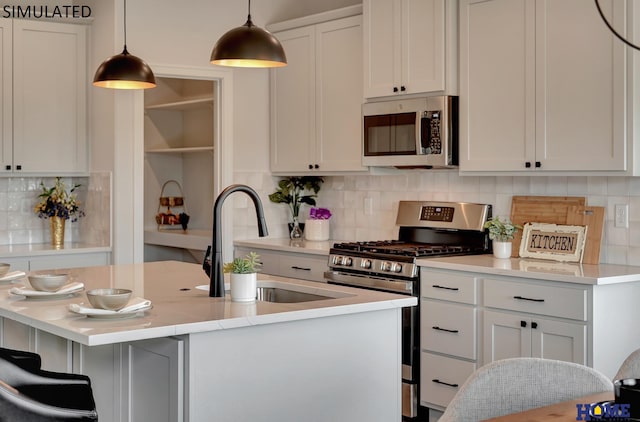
[(411, 133)]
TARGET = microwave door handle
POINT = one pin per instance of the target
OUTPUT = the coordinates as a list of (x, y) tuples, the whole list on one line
[(419, 133)]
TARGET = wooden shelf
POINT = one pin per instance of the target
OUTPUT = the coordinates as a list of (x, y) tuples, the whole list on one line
[(179, 150), (190, 104)]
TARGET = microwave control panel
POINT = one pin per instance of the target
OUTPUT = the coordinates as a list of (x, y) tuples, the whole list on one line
[(431, 132)]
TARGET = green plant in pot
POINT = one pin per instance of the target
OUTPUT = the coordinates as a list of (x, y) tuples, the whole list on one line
[(501, 232), (243, 277), (295, 191)]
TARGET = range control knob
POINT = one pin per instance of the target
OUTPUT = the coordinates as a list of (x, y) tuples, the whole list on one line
[(396, 268), (365, 263), (385, 266), (347, 261)]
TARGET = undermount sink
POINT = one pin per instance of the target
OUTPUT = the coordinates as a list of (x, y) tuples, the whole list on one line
[(279, 292), (279, 295)]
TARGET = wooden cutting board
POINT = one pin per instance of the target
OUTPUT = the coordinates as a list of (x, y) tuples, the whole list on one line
[(540, 209), (593, 218)]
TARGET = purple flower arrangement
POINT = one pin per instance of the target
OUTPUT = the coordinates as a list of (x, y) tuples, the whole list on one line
[(319, 214)]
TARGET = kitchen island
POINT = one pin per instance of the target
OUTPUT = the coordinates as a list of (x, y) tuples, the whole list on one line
[(196, 358)]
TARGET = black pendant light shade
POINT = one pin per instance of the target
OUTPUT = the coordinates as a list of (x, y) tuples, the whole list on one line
[(248, 46), (124, 71)]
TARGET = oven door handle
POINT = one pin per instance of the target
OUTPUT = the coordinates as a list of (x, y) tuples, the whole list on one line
[(369, 281)]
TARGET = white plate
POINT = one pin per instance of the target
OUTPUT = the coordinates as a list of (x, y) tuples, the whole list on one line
[(115, 315), (39, 295)]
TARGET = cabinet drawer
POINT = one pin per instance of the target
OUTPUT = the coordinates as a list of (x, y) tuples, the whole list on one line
[(448, 328), (536, 299), (453, 286), (441, 378), (303, 267)]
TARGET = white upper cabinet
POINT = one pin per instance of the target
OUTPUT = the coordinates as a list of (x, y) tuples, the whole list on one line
[(316, 99), (542, 87), (49, 98), (409, 47)]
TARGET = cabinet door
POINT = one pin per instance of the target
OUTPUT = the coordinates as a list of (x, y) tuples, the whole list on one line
[(293, 111), (559, 340), (382, 52), (580, 92), (153, 380), (423, 42), (339, 95), (497, 128), (6, 93), (505, 336), (49, 104)]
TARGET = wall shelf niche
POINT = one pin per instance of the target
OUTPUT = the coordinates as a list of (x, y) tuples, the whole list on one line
[(179, 138)]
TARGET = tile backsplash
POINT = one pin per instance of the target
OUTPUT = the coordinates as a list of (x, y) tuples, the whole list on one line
[(20, 225), (364, 206)]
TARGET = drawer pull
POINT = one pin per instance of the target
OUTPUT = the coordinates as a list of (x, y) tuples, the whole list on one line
[(437, 381), (293, 267), (445, 287), (528, 298), (444, 329)]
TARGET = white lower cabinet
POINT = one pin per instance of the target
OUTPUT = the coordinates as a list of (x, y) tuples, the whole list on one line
[(303, 266), (509, 335), (152, 383), (470, 319), (52, 262)]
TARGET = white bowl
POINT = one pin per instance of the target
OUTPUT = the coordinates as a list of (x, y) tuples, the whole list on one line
[(4, 269), (48, 282), (111, 299)]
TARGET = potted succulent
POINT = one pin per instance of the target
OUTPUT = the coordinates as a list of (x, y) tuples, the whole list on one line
[(295, 191), (243, 272), (501, 232)]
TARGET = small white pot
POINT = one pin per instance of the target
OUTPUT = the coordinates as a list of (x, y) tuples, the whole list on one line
[(316, 230), (244, 287), (501, 249)]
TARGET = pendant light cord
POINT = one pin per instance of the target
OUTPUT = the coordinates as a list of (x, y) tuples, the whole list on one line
[(125, 25), (612, 29)]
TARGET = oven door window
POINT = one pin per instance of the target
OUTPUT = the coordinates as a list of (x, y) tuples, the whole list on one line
[(391, 134)]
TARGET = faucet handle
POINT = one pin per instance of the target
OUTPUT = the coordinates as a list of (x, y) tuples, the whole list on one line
[(206, 264)]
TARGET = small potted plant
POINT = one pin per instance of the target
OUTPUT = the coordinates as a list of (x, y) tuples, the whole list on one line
[(501, 232), (243, 273), (58, 205), (295, 191)]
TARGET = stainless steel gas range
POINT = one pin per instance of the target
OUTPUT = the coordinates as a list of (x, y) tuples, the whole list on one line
[(426, 229)]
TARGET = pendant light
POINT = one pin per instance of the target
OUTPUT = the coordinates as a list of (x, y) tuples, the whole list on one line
[(623, 39), (248, 46), (124, 70)]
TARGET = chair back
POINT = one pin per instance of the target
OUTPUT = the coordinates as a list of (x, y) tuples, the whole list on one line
[(513, 385), (630, 368)]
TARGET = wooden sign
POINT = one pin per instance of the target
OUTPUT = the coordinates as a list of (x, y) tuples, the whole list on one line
[(553, 241)]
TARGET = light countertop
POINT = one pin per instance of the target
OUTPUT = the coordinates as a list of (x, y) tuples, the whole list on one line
[(41, 249), (178, 307), (288, 245), (537, 269)]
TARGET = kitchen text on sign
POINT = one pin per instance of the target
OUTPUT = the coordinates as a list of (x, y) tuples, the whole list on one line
[(557, 242)]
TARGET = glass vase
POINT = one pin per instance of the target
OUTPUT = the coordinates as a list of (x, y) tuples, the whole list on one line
[(296, 231)]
